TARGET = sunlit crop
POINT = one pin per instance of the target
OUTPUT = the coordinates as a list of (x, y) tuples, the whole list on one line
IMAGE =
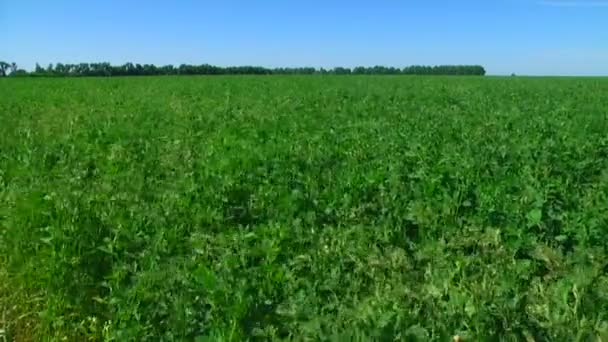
[(304, 207)]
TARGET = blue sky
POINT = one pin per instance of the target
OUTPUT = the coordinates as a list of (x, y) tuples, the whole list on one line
[(559, 37)]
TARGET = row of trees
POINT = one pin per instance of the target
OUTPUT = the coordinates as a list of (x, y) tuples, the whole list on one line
[(130, 69)]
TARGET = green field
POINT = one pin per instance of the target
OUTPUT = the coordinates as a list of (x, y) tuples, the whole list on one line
[(304, 208)]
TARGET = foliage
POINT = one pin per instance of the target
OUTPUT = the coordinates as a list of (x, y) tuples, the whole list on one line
[(130, 69), (306, 208), (7, 68)]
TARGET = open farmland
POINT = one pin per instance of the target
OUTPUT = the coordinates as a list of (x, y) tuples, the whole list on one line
[(304, 207)]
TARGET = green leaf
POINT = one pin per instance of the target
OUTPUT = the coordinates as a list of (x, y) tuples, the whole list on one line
[(535, 216)]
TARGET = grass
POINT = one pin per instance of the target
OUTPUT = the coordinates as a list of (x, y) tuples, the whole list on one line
[(304, 208)]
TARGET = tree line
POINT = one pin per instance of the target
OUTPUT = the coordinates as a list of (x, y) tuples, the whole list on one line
[(130, 69)]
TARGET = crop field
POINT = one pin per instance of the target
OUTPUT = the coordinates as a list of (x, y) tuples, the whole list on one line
[(313, 208)]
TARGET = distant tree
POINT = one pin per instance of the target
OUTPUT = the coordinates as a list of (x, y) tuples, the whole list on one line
[(18, 73), (39, 69), (13, 67), (60, 69), (3, 68), (167, 70), (341, 71), (83, 69), (360, 70)]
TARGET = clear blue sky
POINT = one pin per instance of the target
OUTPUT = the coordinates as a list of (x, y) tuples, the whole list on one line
[(559, 37)]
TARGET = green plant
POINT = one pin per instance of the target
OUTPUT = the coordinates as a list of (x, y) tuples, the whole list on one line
[(293, 207)]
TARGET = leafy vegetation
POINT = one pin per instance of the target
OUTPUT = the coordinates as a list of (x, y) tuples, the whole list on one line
[(8, 68), (130, 69), (321, 208)]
